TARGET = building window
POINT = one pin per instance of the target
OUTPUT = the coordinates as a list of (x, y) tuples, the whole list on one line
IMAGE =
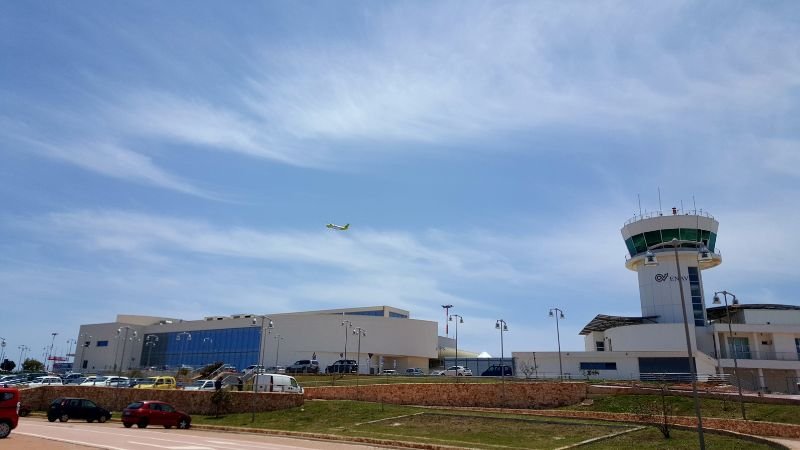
[(739, 346), (697, 297), (397, 315), (102, 343), (598, 366), (600, 346), (797, 346)]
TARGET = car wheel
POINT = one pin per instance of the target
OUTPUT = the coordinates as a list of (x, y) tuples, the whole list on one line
[(90, 420), (442, 374), (5, 429), (51, 418), (102, 419), (168, 426), (63, 418), (127, 424), (24, 412), (461, 374), (184, 424), (142, 423)]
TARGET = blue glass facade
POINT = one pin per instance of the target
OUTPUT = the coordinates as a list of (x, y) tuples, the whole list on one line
[(236, 346)]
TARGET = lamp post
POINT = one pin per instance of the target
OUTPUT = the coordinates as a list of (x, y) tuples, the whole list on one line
[(50, 352), (150, 341), (503, 327), (70, 343), (124, 343), (211, 345), (346, 324), (703, 255), (84, 346), (460, 320), (735, 301), (360, 332), (178, 338), (446, 316), (2, 349), (270, 325), (559, 315), (22, 349), (278, 338)]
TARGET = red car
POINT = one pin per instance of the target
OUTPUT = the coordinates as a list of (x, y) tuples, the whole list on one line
[(9, 410), (151, 412)]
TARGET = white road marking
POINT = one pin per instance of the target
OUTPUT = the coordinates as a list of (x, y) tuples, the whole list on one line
[(69, 441)]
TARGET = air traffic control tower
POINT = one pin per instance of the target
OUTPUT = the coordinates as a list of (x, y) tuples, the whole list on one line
[(652, 240)]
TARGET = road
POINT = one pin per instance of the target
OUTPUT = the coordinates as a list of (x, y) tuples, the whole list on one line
[(36, 433)]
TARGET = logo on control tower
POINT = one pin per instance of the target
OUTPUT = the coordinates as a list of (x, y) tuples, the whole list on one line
[(662, 277)]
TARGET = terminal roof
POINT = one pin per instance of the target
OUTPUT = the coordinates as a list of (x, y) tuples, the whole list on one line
[(718, 312), (602, 322)]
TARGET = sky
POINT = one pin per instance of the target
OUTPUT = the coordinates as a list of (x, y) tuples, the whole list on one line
[(181, 159)]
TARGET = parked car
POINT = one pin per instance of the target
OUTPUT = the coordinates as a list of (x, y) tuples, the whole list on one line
[(150, 412), (389, 372), (93, 380), (275, 369), (70, 378), (158, 383), (267, 382), (9, 410), (343, 366), (253, 368), (46, 381), (460, 371), (65, 408), (117, 381), (304, 366), (134, 381), (228, 368), (201, 385), (497, 371), (414, 372), (436, 372), (33, 375)]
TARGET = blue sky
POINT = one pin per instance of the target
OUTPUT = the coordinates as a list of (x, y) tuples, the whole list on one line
[(182, 158)]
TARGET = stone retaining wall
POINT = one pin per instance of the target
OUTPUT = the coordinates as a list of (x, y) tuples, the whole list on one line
[(511, 395), (192, 402), (750, 427), (600, 391)]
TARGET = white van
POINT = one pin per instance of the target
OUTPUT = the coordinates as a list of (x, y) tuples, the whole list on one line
[(45, 381), (271, 382)]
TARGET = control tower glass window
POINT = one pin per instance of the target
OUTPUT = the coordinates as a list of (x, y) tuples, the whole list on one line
[(638, 243)]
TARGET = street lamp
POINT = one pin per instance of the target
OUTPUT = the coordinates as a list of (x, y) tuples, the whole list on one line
[(703, 255), (270, 325), (150, 341), (360, 332), (460, 320), (278, 338), (262, 343), (124, 343), (50, 352), (559, 315), (735, 301), (22, 349), (446, 316), (178, 338), (70, 342), (2, 349), (346, 324), (503, 327), (84, 345)]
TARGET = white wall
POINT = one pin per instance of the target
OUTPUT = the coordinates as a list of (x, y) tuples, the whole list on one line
[(648, 337), (773, 317)]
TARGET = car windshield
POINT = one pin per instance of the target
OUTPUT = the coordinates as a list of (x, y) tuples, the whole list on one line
[(134, 405), (100, 379), (199, 383)]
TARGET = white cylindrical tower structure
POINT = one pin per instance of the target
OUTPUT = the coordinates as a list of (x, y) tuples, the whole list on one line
[(695, 234)]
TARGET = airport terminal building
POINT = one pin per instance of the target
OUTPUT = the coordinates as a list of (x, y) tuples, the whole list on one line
[(389, 339), (669, 253)]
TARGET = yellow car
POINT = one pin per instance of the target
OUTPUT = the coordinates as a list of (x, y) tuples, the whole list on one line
[(158, 383)]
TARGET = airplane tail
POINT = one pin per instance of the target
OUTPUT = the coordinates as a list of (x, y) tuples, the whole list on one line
[(346, 226)]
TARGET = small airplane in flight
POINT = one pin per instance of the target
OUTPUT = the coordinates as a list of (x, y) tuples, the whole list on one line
[(333, 226)]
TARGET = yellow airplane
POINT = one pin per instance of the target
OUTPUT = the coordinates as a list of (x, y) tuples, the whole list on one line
[(338, 227)]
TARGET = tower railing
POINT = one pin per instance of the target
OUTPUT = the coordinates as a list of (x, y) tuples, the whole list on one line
[(673, 212)]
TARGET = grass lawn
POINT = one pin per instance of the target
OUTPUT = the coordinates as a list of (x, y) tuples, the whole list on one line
[(650, 438), (684, 406), (462, 428)]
